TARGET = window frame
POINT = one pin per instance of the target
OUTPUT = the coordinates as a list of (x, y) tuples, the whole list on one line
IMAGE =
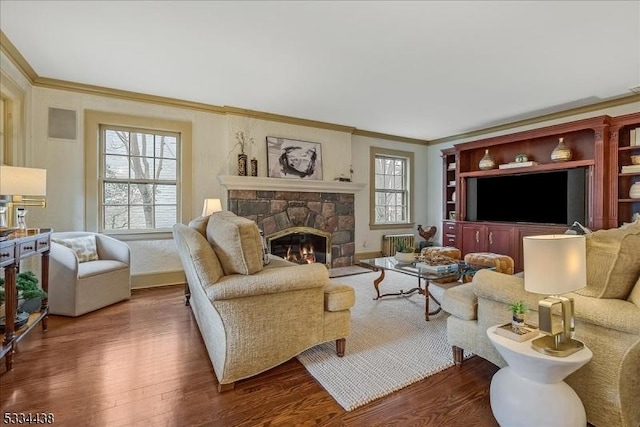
[(94, 122), (375, 152)]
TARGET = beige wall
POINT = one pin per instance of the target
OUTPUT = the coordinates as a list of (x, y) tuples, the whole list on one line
[(213, 154)]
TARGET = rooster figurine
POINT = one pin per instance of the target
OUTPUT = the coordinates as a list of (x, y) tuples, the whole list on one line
[(427, 234)]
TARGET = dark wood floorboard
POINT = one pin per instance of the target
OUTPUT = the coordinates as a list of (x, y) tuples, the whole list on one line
[(143, 362)]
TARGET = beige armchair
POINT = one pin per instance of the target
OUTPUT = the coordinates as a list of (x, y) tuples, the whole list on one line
[(253, 317), (76, 287)]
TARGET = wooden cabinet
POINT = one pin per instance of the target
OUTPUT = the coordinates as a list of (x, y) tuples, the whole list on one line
[(449, 184), (623, 146), (486, 237), (449, 234)]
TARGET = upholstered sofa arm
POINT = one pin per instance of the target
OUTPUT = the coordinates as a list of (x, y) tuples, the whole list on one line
[(615, 314), (269, 281)]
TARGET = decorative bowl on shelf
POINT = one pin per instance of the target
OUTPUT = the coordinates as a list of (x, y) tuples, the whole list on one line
[(635, 160), (405, 257)]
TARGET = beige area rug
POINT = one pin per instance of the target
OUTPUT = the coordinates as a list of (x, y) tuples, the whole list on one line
[(390, 347), (347, 271)]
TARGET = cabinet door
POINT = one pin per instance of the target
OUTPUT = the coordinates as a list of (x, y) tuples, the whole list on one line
[(473, 238), (500, 240)]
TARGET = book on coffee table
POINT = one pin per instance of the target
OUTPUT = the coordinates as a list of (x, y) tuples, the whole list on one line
[(520, 333), (444, 268)]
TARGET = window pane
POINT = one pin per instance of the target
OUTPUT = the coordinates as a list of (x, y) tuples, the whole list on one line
[(165, 216), (141, 194), (116, 167), (115, 142), (116, 193), (166, 169), (115, 218), (141, 144), (141, 217), (166, 146), (165, 195), (142, 167)]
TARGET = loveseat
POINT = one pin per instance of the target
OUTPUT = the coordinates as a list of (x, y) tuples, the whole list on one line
[(607, 320), (252, 316)]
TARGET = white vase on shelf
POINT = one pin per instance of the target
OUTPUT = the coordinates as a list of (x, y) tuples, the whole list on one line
[(634, 191)]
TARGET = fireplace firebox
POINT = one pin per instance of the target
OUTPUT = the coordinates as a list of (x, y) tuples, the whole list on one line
[(302, 245)]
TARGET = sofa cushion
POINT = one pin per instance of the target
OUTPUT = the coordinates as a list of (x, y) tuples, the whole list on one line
[(613, 264), (338, 297), (237, 243), (83, 246), (634, 296)]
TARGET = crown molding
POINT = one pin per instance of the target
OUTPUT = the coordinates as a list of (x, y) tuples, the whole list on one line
[(380, 135), (261, 115), (16, 57), (614, 102)]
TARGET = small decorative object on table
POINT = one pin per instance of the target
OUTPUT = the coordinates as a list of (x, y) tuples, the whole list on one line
[(404, 253), (486, 162), (520, 334), (518, 310), (561, 153)]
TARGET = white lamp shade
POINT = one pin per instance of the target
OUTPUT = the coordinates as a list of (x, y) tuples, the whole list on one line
[(554, 264), (15, 181), (211, 206)]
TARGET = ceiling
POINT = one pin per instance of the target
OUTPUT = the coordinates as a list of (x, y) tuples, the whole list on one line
[(416, 69)]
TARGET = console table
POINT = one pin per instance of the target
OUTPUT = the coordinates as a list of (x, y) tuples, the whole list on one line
[(19, 246)]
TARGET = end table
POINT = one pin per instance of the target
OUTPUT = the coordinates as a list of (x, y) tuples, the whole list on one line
[(531, 391)]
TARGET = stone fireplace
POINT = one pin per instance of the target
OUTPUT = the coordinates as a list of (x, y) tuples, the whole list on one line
[(307, 214)]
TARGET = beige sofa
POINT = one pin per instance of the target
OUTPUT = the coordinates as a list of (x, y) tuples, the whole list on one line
[(252, 316), (607, 321)]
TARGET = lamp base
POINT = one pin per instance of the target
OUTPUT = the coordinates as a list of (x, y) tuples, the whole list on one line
[(551, 346)]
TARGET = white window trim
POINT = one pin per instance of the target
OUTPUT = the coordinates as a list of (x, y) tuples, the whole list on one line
[(93, 120), (377, 151)]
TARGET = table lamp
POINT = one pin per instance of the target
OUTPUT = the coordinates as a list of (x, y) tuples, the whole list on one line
[(211, 206), (15, 184), (554, 265)]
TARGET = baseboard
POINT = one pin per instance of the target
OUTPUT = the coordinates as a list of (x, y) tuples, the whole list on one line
[(153, 280)]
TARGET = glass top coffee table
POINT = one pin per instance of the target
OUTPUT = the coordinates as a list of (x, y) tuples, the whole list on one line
[(413, 269)]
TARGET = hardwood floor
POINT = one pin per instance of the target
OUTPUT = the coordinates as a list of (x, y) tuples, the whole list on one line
[(142, 362)]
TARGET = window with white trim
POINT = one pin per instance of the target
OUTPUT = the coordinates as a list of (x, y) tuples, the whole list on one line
[(138, 179), (391, 187)]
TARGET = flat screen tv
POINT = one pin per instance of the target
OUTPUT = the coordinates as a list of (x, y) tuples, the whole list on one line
[(557, 197)]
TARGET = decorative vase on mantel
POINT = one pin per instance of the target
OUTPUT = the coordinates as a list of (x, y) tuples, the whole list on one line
[(486, 162), (242, 164), (561, 153), (254, 167)]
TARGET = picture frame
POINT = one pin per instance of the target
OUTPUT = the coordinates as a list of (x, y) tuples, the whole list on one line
[(452, 215), (294, 159)]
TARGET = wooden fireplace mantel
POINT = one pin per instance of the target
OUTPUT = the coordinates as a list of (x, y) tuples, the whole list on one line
[(233, 182)]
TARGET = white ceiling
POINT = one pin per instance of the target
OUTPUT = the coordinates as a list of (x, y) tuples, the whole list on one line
[(417, 69)]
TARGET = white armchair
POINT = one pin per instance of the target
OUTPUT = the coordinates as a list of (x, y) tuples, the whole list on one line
[(75, 287)]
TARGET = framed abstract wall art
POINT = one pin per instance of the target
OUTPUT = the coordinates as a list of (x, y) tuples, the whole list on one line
[(290, 158)]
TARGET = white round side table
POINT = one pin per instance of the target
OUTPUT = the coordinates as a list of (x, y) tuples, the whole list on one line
[(531, 391)]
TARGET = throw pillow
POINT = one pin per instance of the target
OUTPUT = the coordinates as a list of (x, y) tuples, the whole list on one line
[(634, 297), (237, 243), (577, 229), (613, 264), (84, 247)]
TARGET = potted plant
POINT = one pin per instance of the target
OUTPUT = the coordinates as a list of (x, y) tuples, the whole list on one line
[(404, 253), (518, 310), (29, 291)]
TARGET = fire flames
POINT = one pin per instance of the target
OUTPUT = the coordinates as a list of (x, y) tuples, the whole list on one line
[(305, 254)]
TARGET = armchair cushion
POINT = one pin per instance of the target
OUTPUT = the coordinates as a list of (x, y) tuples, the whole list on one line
[(83, 246), (237, 243), (612, 262)]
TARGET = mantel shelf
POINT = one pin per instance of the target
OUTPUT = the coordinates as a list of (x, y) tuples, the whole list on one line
[(538, 168), (234, 182)]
